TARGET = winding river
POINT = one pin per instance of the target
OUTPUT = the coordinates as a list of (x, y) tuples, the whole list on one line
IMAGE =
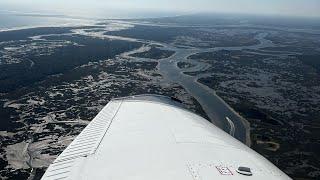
[(219, 112)]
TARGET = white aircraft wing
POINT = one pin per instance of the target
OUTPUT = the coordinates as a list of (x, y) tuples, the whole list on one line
[(151, 137)]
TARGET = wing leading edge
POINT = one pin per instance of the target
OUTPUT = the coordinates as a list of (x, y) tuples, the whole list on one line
[(152, 137)]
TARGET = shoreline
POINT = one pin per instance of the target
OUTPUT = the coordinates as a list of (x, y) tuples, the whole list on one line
[(53, 25)]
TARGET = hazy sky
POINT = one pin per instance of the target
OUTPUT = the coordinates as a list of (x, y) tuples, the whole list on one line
[(125, 7)]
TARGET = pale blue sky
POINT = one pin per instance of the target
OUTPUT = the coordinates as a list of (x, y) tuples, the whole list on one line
[(108, 7)]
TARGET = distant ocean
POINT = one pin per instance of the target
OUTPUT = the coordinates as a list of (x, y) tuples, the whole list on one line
[(10, 21)]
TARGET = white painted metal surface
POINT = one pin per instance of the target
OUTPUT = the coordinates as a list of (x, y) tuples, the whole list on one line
[(146, 139)]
